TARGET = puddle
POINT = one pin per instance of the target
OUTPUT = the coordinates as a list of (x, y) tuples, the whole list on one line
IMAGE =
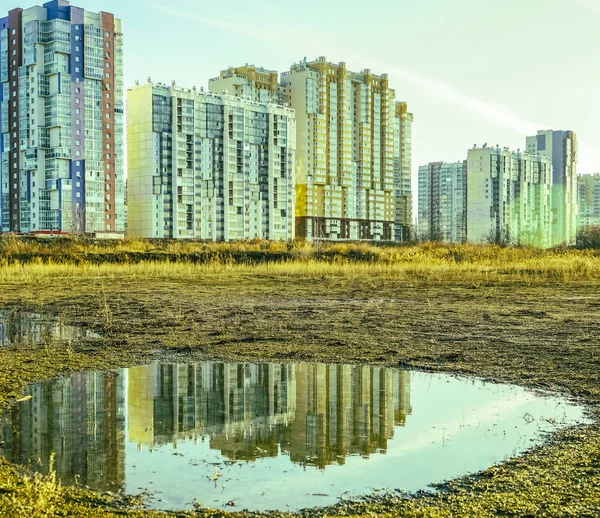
[(269, 436), (28, 328)]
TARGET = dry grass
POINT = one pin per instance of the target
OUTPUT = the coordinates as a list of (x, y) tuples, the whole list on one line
[(508, 314)]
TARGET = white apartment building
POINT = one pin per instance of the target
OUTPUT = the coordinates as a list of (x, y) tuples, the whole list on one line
[(509, 197), (208, 166), (61, 125), (561, 148), (442, 202)]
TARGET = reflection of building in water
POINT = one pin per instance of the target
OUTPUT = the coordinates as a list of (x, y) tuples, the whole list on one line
[(319, 414), (343, 410), (23, 327), (243, 409), (81, 419)]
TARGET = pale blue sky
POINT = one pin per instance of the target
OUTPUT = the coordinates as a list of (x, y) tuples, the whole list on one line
[(472, 71)]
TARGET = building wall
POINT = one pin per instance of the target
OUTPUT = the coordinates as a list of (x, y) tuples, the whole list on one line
[(589, 200), (225, 166), (249, 82), (62, 125), (561, 148), (442, 202), (345, 164), (509, 196), (403, 196)]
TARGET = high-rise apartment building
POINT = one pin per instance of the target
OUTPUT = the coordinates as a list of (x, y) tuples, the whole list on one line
[(561, 148), (208, 166), (509, 196), (353, 150), (61, 130), (443, 201), (589, 200)]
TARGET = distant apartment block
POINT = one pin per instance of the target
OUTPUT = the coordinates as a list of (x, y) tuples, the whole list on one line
[(208, 166), (561, 148), (442, 201), (589, 200), (61, 126), (509, 197)]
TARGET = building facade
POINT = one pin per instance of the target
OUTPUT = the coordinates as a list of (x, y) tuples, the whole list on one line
[(61, 131), (589, 200), (208, 166), (443, 202), (509, 197), (248, 82), (561, 148), (345, 151)]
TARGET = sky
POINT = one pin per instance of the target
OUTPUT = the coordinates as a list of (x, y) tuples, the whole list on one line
[(472, 71)]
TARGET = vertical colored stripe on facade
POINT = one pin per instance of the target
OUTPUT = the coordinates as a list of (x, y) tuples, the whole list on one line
[(77, 66), (15, 59), (108, 119)]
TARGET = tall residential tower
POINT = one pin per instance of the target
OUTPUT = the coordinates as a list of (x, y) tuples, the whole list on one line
[(61, 132), (561, 148), (589, 200), (443, 201)]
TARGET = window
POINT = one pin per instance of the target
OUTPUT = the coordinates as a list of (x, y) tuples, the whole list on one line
[(107, 34), (107, 64), (76, 111), (107, 75)]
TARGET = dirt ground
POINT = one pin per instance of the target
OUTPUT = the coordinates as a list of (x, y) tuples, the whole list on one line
[(537, 334)]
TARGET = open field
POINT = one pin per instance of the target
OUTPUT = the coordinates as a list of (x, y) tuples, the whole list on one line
[(506, 314)]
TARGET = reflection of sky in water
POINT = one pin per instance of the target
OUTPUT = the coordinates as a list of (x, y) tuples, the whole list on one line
[(28, 328), (265, 436)]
